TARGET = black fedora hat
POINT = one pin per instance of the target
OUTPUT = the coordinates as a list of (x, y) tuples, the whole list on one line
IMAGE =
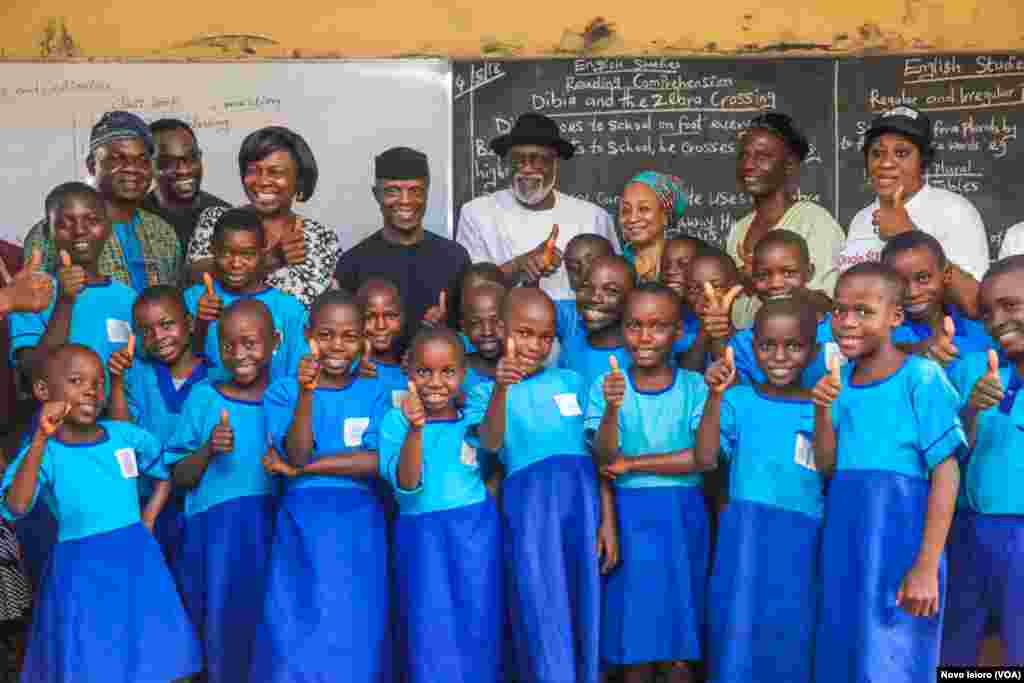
[(533, 129)]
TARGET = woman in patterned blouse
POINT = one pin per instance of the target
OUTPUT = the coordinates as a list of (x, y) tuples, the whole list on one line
[(277, 168)]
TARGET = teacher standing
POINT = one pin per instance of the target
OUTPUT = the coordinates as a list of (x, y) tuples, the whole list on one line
[(772, 150)]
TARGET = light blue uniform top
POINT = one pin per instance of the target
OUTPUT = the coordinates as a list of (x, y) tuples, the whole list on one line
[(473, 378), (568, 322), (652, 423), (906, 423), (289, 320), (341, 417), (543, 417), (451, 463), (969, 336), (391, 380), (579, 356), (768, 442), (994, 473), (749, 372), (231, 475), (91, 488), (101, 319)]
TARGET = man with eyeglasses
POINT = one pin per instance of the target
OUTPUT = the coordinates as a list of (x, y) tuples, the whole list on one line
[(143, 248), (512, 226), (176, 195)]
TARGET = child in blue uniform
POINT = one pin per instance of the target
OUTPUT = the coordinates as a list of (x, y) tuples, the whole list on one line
[(481, 318), (150, 389), (216, 455), (328, 586), (676, 258), (713, 284), (107, 610), (640, 423), (238, 244), (578, 258), (447, 539), (551, 504), (928, 319), (887, 433), (986, 557), (600, 304), (381, 303), (763, 612)]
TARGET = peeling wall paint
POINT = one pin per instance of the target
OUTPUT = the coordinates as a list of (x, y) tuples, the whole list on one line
[(62, 29)]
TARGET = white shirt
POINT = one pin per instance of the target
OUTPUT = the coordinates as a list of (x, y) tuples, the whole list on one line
[(497, 228), (1013, 241), (947, 216)]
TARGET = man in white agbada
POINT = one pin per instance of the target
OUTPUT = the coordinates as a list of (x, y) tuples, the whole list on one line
[(511, 226)]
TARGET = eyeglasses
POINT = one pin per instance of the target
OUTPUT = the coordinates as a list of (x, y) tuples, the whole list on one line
[(517, 160), (166, 163)]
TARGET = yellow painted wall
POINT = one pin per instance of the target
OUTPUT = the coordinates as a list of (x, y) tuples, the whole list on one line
[(463, 28)]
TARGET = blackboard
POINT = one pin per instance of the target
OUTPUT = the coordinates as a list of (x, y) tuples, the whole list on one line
[(624, 115), (976, 104)]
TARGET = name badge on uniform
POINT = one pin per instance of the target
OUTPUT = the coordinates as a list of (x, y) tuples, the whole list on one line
[(118, 331), (126, 459), (803, 454), (354, 428), (398, 397), (568, 405), (468, 455)]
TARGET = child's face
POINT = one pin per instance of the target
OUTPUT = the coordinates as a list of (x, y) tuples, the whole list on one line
[(641, 215), (383, 317), (236, 256), (438, 374), (481, 322), (81, 386), (778, 271), (577, 260), (706, 270), (531, 324), (782, 349), (926, 280), (165, 329), (338, 331), (650, 325), (675, 265), (1001, 306), (864, 316), (247, 342), (81, 228), (601, 300)]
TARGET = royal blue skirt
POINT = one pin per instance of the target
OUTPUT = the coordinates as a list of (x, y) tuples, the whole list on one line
[(653, 607), (327, 603), (552, 512), (874, 523), (169, 529), (764, 595), (450, 595), (986, 582), (222, 573), (108, 612)]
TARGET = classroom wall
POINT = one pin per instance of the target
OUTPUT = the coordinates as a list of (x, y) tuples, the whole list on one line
[(61, 29)]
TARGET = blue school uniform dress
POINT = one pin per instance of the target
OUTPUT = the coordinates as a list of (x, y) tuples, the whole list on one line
[(155, 400), (969, 336), (749, 372), (289, 320), (763, 611), (551, 510), (579, 356), (229, 520), (653, 603), (328, 588), (108, 610), (447, 555), (890, 435), (986, 559)]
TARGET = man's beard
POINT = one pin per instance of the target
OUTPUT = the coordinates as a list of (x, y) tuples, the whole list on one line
[(529, 191)]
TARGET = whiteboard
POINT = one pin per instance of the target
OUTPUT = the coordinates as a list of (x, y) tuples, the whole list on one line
[(348, 112)]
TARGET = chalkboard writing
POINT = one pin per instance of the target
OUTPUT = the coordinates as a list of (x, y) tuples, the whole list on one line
[(681, 116), (976, 103)]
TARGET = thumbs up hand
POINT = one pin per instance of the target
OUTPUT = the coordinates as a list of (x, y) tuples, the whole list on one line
[(941, 348), (891, 217), (721, 374), (31, 288), (293, 243), (437, 315), (222, 439), (715, 311), (614, 384), (51, 416), (412, 408), (988, 390), (543, 260), (367, 366), (121, 359), (210, 305), (826, 391), (71, 277), (509, 370), (309, 367)]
